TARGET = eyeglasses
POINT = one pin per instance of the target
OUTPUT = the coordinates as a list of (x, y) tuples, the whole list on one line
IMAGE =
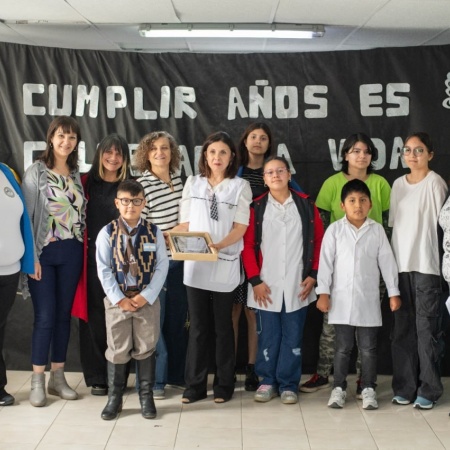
[(126, 201), (418, 151), (358, 151), (278, 171)]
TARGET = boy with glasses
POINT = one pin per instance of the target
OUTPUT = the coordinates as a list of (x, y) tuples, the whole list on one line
[(132, 265)]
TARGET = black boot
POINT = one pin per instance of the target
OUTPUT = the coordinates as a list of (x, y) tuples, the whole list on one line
[(116, 382), (146, 376)]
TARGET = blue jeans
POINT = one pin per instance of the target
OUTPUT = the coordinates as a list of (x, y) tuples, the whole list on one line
[(52, 298), (161, 348), (417, 337), (366, 338), (279, 358), (172, 343), (175, 330)]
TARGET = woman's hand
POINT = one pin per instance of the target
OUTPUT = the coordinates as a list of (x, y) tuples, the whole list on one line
[(261, 294), (37, 272), (306, 285)]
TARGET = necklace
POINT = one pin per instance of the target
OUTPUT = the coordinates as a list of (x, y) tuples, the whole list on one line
[(169, 183)]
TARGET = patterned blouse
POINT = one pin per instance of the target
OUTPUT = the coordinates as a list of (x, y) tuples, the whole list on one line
[(65, 199)]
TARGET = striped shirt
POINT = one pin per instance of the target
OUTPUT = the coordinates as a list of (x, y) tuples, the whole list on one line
[(162, 204)]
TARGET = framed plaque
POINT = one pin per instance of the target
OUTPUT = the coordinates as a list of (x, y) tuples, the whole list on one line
[(191, 245)]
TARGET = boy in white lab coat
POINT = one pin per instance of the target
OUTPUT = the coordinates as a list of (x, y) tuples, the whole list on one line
[(354, 251)]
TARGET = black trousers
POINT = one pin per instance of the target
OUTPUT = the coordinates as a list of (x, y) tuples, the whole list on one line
[(8, 289), (202, 304), (93, 333), (416, 337)]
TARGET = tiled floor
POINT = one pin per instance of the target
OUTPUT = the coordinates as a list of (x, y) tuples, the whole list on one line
[(239, 424)]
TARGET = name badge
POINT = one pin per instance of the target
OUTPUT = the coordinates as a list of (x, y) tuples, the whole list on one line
[(149, 247)]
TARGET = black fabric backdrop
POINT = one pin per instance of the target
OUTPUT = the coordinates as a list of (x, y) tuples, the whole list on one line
[(312, 101)]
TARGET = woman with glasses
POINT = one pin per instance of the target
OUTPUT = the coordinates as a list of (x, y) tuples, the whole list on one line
[(158, 158), (358, 155), (215, 201), (281, 258), (416, 201), (109, 167)]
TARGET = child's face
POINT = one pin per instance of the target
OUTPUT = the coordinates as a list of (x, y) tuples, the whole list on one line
[(356, 206), (130, 212)]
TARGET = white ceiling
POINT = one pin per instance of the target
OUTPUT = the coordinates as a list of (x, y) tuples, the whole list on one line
[(113, 24)]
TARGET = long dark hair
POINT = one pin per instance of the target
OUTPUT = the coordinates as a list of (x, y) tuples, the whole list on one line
[(242, 148), (112, 140), (350, 142), (68, 125), (220, 136)]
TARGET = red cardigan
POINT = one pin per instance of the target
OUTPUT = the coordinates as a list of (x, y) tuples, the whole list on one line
[(312, 237), (79, 307)]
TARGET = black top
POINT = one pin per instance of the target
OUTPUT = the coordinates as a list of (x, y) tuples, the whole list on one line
[(255, 178), (100, 208)]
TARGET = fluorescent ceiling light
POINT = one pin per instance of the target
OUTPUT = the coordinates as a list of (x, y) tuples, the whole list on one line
[(233, 30)]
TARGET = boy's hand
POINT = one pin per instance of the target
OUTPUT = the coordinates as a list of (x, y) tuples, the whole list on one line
[(395, 303), (306, 285), (323, 303), (261, 294), (126, 304), (138, 301)]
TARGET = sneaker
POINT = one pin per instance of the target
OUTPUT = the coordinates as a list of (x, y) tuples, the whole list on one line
[(159, 394), (180, 385), (359, 389), (369, 398), (399, 400), (289, 397), (423, 403), (337, 398), (6, 399), (251, 379), (265, 393), (315, 383)]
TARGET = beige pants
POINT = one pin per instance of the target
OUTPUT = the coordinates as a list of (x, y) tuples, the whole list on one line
[(131, 334)]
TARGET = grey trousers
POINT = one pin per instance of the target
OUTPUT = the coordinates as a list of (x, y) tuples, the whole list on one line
[(131, 334), (416, 337)]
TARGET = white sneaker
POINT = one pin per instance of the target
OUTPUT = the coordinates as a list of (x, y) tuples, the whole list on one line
[(337, 398), (369, 398)]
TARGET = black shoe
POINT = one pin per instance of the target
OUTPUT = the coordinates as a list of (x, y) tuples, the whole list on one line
[(251, 379), (190, 396), (99, 389), (6, 399)]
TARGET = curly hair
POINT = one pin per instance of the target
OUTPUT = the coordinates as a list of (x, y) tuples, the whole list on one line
[(140, 157)]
